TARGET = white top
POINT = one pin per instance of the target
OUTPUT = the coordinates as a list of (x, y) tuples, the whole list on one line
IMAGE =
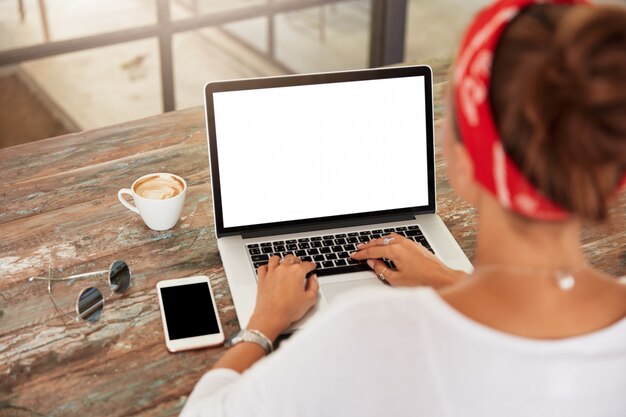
[(391, 352)]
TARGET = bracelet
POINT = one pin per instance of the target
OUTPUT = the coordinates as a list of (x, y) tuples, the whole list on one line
[(252, 336)]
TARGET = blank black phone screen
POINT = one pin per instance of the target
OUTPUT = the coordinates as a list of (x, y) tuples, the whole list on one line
[(189, 311)]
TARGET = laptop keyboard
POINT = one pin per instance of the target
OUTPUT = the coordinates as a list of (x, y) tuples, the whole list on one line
[(330, 252)]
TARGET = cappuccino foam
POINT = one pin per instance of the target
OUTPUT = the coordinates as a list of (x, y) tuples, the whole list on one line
[(159, 187)]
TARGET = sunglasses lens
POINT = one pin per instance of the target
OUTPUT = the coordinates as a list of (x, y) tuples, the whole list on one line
[(90, 304), (119, 276)]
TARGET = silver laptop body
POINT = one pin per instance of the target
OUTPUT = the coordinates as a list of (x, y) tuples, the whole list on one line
[(314, 164)]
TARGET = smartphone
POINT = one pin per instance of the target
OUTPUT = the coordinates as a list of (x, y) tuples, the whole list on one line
[(189, 313)]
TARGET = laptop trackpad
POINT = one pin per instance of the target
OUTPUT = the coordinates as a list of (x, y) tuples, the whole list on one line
[(336, 290)]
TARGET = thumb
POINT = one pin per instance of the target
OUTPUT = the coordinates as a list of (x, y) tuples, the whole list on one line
[(312, 286)]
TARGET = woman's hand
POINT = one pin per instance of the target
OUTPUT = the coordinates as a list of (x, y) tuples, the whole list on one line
[(284, 294), (414, 264)]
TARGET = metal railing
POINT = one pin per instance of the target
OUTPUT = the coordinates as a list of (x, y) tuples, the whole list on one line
[(386, 35)]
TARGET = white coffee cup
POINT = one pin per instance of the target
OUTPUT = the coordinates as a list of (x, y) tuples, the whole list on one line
[(162, 201)]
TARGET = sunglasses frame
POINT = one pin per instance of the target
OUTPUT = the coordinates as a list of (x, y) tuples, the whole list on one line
[(116, 267)]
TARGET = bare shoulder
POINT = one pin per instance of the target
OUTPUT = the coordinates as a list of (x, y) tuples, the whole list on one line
[(614, 284), (536, 307)]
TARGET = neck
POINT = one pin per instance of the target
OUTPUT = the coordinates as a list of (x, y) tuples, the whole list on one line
[(521, 295), (507, 240)]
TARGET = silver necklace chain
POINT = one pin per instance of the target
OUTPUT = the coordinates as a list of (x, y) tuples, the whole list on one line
[(564, 278)]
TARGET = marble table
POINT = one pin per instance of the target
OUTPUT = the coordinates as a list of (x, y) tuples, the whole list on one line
[(60, 216)]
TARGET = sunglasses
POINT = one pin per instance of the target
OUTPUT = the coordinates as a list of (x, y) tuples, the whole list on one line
[(90, 301)]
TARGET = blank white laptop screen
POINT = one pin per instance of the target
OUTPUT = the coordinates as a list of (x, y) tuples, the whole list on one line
[(302, 152)]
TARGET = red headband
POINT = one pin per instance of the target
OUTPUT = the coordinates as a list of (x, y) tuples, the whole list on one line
[(472, 76)]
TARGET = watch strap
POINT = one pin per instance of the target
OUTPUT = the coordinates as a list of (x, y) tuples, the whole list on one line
[(252, 336)]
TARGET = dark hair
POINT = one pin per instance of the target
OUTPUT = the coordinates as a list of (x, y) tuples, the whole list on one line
[(558, 94)]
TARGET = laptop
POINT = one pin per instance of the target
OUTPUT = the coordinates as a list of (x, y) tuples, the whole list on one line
[(313, 165)]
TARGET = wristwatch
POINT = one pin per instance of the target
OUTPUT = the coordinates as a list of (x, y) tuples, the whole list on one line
[(252, 336)]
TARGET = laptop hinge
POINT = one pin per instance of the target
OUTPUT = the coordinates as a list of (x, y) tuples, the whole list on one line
[(328, 225)]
